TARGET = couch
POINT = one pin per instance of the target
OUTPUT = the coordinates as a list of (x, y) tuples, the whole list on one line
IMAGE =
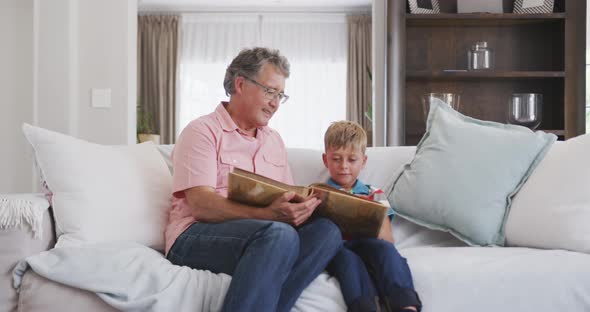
[(448, 274)]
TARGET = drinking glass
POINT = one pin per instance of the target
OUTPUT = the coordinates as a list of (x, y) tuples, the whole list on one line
[(525, 109), (453, 99)]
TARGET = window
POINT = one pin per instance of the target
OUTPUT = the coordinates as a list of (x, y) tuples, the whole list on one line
[(315, 45)]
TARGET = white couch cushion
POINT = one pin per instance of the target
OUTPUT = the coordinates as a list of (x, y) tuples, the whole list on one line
[(103, 193), (552, 210), (488, 279)]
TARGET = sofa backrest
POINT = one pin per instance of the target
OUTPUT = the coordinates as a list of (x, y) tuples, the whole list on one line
[(383, 164)]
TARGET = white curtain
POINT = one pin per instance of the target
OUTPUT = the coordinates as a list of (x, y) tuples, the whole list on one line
[(315, 45)]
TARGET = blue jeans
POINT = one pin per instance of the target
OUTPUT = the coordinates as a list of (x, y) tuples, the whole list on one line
[(270, 262), (372, 267), (356, 285)]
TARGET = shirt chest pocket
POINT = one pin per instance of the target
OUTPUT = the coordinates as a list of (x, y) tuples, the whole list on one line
[(231, 160), (274, 160), (227, 162), (273, 166)]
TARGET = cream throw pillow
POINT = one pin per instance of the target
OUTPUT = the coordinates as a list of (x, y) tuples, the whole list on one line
[(552, 210), (103, 193)]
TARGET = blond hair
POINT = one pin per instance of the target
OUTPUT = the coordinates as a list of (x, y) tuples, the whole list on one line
[(344, 134)]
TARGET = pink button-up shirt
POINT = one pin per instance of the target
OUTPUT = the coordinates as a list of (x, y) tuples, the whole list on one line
[(207, 150)]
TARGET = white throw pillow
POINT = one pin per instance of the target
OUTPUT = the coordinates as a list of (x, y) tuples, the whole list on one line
[(166, 151), (103, 193), (552, 210)]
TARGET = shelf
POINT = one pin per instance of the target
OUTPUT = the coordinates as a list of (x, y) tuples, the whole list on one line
[(531, 53), (556, 132), (481, 19), (452, 75)]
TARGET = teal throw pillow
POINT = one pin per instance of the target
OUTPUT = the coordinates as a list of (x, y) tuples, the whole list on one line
[(464, 174)]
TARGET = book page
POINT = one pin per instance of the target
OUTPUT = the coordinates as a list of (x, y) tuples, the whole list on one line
[(355, 216), (256, 190), (327, 187)]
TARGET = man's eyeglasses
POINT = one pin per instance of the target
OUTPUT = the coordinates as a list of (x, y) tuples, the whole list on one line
[(270, 93)]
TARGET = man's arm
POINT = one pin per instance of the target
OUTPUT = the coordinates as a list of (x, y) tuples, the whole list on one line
[(208, 206)]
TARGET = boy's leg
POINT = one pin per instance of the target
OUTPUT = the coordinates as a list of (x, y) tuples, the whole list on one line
[(355, 283), (319, 241), (258, 254), (391, 271)]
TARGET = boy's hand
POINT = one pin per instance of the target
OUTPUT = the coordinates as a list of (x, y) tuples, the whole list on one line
[(293, 213)]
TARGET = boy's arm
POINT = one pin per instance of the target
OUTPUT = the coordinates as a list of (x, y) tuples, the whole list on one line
[(386, 233)]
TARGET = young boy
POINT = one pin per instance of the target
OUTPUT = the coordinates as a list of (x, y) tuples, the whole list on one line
[(359, 260)]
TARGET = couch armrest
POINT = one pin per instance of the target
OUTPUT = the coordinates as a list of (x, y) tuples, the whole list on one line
[(16, 244)]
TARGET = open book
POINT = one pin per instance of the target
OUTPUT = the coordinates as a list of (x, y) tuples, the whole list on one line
[(357, 217)]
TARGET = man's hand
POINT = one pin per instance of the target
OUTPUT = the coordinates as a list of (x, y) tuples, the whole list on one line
[(292, 213)]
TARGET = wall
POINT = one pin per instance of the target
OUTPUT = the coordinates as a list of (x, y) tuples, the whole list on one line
[(16, 84), (107, 59), (53, 68), (63, 49)]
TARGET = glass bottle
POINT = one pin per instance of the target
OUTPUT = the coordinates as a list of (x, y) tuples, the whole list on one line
[(480, 56)]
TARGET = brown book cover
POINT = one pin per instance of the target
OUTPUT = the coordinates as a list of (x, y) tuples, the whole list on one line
[(357, 217)]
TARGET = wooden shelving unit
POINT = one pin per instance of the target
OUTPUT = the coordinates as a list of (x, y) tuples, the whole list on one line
[(556, 132), (491, 74), (481, 19), (536, 53)]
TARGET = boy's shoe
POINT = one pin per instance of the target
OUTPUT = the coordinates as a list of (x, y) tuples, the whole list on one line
[(403, 298)]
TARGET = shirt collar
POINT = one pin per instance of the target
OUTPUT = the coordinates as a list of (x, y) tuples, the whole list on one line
[(227, 123), (359, 188)]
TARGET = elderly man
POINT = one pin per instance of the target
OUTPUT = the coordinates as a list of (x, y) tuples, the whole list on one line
[(273, 252)]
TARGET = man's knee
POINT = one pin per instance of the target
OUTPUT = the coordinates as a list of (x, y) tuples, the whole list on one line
[(283, 237), (329, 230)]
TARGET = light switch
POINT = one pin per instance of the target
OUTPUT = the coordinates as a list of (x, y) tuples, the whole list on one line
[(101, 98)]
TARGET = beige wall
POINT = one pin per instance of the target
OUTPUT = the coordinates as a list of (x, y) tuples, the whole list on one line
[(60, 50), (16, 85), (107, 59)]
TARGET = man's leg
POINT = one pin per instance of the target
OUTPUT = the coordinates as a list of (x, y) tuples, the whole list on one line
[(258, 254), (390, 271), (355, 283), (319, 241)]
